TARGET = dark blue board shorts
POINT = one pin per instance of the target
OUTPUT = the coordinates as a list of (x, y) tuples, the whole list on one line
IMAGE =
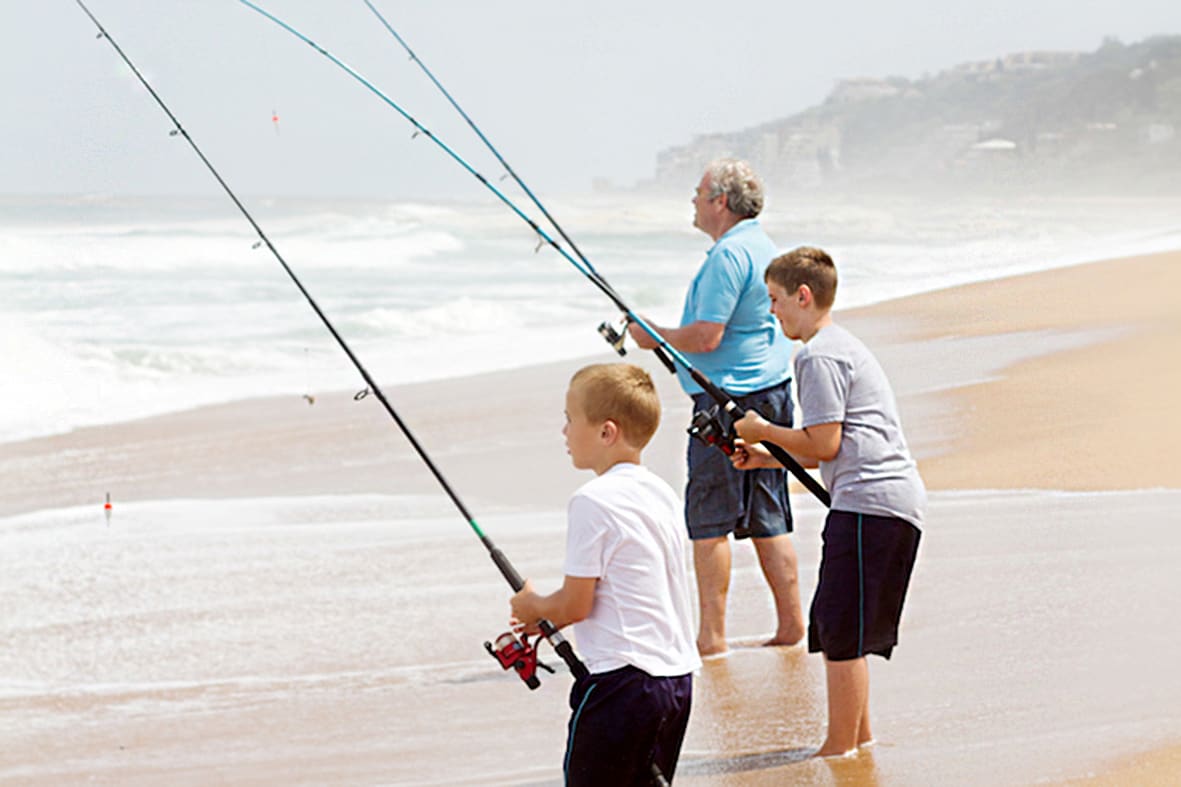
[(623, 721), (865, 567), (720, 500)]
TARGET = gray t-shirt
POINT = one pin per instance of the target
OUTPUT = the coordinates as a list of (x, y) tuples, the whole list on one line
[(839, 380)]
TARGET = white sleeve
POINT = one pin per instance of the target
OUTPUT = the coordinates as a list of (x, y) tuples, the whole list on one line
[(586, 538)]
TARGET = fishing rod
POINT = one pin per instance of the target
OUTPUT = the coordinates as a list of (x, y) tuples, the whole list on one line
[(613, 338), (724, 400), (561, 646)]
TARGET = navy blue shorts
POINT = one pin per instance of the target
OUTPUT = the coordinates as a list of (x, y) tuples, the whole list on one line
[(624, 721), (720, 500), (865, 567)]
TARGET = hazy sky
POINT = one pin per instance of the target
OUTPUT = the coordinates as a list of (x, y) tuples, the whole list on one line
[(567, 91)]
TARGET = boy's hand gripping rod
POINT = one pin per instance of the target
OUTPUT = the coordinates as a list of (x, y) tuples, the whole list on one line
[(735, 411), (723, 399), (561, 646)]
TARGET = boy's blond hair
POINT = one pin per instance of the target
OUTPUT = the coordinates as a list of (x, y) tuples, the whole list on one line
[(619, 392), (805, 265)]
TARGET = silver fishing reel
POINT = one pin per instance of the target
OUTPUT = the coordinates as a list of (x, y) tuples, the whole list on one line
[(615, 337)]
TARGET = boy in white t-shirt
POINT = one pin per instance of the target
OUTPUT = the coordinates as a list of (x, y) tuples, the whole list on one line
[(626, 589)]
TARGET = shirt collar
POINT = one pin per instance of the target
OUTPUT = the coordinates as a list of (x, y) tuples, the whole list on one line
[(741, 226)]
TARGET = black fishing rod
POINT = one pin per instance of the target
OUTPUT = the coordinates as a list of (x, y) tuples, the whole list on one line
[(724, 400), (555, 638)]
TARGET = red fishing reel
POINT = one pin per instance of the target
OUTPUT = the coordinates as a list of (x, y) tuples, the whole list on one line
[(518, 654)]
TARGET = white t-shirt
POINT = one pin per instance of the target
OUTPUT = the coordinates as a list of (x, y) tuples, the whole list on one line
[(626, 528)]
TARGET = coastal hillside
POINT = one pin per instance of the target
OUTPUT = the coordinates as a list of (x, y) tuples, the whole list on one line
[(1102, 121)]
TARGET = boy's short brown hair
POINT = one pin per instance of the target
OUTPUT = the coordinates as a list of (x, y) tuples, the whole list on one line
[(805, 265), (619, 392)]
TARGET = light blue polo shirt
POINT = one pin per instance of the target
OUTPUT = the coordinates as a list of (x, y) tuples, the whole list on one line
[(729, 289)]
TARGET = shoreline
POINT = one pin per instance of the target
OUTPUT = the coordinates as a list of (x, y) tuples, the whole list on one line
[(1002, 384)]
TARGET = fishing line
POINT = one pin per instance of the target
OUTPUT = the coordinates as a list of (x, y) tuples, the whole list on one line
[(724, 400), (513, 174), (560, 645)]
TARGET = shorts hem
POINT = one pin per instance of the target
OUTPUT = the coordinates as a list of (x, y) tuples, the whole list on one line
[(700, 532)]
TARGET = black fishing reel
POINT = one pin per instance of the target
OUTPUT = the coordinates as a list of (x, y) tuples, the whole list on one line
[(614, 337), (518, 654), (707, 427)]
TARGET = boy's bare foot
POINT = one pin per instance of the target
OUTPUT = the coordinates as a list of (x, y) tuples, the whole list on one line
[(829, 751), (782, 641), (788, 633), (708, 649)]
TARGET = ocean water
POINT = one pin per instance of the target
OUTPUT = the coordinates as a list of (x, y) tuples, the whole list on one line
[(116, 308), (166, 637), (86, 598)]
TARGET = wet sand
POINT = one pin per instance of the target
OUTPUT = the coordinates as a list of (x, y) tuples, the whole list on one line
[(1084, 396), (1036, 645)]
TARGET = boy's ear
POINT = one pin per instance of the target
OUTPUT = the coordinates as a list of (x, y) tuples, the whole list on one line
[(609, 431), (804, 295)]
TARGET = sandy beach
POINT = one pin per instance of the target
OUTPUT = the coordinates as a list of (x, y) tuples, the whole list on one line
[(1037, 645)]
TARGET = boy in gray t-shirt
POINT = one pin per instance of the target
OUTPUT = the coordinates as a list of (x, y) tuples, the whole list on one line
[(871, 535)]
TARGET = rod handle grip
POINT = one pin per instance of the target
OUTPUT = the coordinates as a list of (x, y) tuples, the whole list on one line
[(802, 475), (664, 359), (506, 568), (564, 649)]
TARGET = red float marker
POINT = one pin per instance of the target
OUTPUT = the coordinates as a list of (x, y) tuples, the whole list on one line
[(107, 509)]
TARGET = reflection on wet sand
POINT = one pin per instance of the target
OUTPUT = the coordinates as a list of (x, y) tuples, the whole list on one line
[(755, 712)]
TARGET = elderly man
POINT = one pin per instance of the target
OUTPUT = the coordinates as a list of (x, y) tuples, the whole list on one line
[(729, 334)]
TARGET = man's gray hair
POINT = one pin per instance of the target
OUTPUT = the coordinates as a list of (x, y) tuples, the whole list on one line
[(740, 184)]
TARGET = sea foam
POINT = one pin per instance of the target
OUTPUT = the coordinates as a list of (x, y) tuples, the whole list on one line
[(121, 308)]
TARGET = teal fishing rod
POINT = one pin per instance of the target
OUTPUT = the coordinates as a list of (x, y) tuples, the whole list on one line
[(724, 400), (522, 654), (616, 340)]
